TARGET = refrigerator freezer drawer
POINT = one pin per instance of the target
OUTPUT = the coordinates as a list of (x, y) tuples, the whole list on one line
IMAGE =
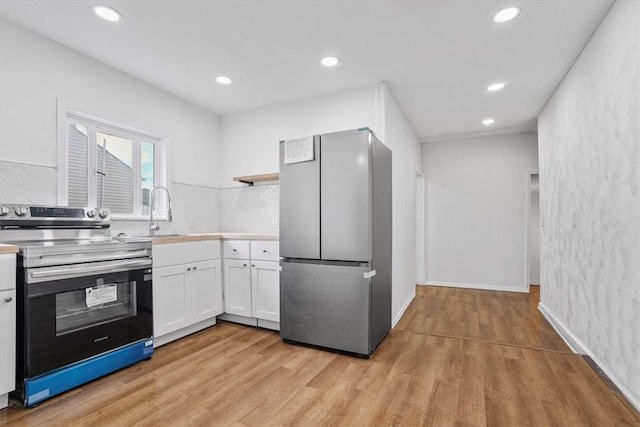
[(326, 305)]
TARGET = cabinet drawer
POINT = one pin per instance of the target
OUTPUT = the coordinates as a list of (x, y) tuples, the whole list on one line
[(236, 249), (184, 253), (265, 250)]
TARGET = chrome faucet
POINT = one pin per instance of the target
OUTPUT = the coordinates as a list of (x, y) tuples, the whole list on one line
[(155, 227)]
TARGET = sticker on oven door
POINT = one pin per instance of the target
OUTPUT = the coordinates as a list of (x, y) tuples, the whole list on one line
[(101, 295)]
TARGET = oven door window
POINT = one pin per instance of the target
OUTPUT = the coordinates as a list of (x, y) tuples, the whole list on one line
[(84, 308)]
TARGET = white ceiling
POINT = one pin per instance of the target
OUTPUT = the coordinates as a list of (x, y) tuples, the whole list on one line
[(437, 57)]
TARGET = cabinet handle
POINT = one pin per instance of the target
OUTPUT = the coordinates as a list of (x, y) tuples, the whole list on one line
[(253, 265), (235, 250), (264, 251), (8, 299), (244, 265), (188, 268), (195, 267)]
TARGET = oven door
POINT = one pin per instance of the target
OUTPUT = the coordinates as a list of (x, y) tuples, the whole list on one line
[(78, 311)]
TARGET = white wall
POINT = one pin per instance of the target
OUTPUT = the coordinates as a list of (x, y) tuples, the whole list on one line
[(534, 231), (400, 137), (590, 200), (251, 138), (35, 71), (477, 192), (250, 146)]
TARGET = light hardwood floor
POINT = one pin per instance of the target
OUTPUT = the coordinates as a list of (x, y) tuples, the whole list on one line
[(458, 357)]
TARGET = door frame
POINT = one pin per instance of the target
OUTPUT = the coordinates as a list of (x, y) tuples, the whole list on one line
[(527, 215), (420, 270)]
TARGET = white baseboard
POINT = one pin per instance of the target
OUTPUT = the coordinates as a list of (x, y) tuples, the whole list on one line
[(403, 309), (476, 286), (243, 320), (577, 346), (571, 340), (535, 282), (269, 324), (181, 333)]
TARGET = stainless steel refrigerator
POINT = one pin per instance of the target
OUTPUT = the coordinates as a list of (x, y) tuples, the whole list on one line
[(335, 241)]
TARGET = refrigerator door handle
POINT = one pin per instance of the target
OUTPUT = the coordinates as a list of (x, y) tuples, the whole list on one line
[(369, 274)]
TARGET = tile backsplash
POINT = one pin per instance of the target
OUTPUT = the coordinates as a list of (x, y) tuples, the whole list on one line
[(23, 183), (250, 209), (196, 209)]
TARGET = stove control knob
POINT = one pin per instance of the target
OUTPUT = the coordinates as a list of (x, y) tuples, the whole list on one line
[(4, 211), (21, 211), (103, 213), (91, 213)]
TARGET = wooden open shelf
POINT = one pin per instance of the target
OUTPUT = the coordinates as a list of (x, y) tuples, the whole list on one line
[(252, 179)]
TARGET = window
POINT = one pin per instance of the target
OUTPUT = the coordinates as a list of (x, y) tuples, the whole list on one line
[(109, 165)]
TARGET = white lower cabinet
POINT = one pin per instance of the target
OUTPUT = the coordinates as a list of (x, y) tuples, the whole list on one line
[(170, 301), (189, 290), (265, 290), (7, 326), (206, 300), (187, 296), (252, 284), (237, 287)]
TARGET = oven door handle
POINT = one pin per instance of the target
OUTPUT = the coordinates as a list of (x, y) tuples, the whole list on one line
[(79, 270), (97, 256)]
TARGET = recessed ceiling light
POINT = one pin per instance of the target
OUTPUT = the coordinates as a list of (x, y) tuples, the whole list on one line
[(506, 14), (107, 13), (495, 87), (223, 80), (488, 122), (330, 61)]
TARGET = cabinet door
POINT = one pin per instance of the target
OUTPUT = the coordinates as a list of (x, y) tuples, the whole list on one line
[(237, 287), (217, 289), (265, 286), (204, 284), (171, 304), (7, 340)]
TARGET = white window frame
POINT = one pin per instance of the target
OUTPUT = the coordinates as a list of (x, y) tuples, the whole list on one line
[(97, 124)]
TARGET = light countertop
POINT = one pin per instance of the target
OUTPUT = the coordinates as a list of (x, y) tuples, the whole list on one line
[(180, 238), (160, 240), (8, 249)]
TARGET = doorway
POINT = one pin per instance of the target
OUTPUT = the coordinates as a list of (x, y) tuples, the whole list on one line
[(421, 256), (533, 250)]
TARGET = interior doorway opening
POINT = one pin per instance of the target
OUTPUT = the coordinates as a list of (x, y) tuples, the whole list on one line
[(421, 255), (533, 240)]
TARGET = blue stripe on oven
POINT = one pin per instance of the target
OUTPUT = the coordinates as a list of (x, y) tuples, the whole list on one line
[(55, 382)]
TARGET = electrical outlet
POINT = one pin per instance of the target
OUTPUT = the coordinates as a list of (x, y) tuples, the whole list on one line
[(274, 223), (191, 221)]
